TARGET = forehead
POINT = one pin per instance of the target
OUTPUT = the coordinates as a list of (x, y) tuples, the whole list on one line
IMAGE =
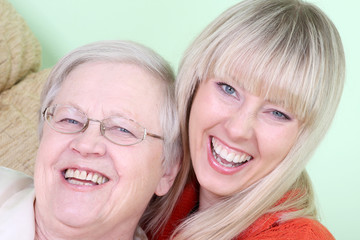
[(101, 89)]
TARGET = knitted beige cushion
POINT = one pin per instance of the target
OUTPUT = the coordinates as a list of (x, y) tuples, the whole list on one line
[(20, 51), (19, 118), (20, 86)]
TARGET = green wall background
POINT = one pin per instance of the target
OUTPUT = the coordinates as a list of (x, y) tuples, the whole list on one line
[(168, 26)]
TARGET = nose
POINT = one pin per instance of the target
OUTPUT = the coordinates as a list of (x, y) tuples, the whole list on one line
[(240, 124), (89, 142)]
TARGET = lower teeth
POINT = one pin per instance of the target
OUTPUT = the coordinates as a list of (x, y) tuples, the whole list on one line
[(73, 181)]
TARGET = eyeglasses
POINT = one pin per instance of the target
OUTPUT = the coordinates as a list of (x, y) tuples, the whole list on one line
[(118, 130)]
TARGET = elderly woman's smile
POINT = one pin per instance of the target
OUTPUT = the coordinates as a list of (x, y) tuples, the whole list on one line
[(93, 165), (109, 143), (83, 177)]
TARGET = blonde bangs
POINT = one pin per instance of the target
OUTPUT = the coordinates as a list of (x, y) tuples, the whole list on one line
[(284, 79), (285, 69)]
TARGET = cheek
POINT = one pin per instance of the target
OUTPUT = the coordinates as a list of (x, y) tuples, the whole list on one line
[(153, 164), (51, 145), (46, 149), (142, 165), (204, 114), (198, 124), (277, 143), (46, 158)]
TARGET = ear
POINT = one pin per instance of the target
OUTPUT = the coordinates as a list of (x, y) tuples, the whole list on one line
[(167, 180)]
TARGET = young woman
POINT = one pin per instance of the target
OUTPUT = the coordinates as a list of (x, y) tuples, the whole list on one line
[(257, 90)]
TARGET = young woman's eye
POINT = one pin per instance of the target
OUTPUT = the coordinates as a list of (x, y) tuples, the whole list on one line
[(227, 89), (280, 115)]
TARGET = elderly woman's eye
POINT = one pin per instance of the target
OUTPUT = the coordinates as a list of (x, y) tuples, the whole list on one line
[(66, 121), (69, 120), (124, 130), (118, 130)]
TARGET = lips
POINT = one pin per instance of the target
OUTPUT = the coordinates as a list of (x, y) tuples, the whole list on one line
[(82, 177)]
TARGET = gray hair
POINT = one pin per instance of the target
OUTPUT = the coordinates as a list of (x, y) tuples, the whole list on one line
[(123, 52)]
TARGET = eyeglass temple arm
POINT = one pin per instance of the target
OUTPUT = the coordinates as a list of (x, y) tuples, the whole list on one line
[(154, 136), (43, 112)]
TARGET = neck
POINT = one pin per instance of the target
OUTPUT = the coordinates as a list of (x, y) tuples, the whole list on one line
[(55, 230), (207, 199)]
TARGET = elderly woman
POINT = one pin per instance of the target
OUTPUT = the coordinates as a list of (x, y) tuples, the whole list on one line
[(257, 91), (109, 141)]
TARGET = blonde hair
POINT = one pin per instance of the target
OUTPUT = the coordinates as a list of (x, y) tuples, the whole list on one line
[(290, 53)]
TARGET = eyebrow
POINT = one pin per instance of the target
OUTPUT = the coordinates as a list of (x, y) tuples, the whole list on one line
[(126, 114), (232, 80), (122, 113), (280, 103)]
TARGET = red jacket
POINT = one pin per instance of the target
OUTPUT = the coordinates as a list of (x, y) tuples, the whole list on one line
[(266, 227)]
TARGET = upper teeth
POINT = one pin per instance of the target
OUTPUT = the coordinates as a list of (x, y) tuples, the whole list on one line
[(229, 155), (83, 175)]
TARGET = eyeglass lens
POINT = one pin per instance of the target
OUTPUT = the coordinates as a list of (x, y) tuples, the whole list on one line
[(66, 119)]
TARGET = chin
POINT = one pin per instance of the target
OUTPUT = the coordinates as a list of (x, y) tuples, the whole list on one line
[(77, 217)]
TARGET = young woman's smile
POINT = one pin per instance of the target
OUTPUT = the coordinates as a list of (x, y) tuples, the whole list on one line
[(236, 138)]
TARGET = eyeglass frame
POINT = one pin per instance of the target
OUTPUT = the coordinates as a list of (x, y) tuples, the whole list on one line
[(102, 127)]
